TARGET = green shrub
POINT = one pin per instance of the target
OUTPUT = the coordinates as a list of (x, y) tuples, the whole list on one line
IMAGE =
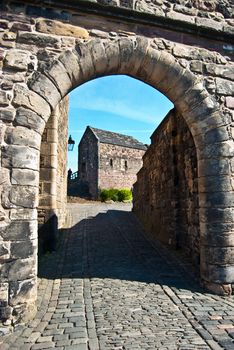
[(125, 195), (104, 195), (116, 195)]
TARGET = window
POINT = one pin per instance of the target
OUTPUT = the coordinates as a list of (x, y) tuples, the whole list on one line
[(126, 164), (111, 162)]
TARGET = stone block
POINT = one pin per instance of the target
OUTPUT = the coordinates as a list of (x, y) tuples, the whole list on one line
[(180, 17), (40, 40), (31, 100), (216, 199), (28, 118), (202, 111), (9, 36), (224, 87), (19, 270), (219, 289), (218, 274), (213, 167), (213, 215), (19, 26), (4, 252), (20, 157), (4, 98), (4, 176), (24, 196), (198, 54), (219, 234), (209, 23), (45, 149), (219, 255), (70, 61), (214, 183), (3, 292), (196, 66), (58, 74), (216, 150), (23, 214), (23, 249), (3, 216), (25, 177), (112, 53), (17, 59), (186, 10), (83, 51), (7, 84), (216, 135), (223, 71), (47, 12), (2, 131), (191, 98), (7, 114), (100, 60), (229, 101), (5, 312), (44, 87), (141, 48), (4, 24), (46, 174), (22, 291), (19, 230), (60, 28), (21, 135)]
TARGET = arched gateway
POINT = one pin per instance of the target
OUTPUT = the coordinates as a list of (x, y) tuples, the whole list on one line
[(40, 69)]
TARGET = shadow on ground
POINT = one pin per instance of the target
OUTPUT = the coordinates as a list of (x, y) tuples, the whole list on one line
[(113, 245)]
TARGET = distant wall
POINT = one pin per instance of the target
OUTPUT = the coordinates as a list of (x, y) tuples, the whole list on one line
[(118, 166), (166, 192)]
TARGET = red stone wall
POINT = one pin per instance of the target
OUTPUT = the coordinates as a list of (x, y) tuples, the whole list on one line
[(118, 166)]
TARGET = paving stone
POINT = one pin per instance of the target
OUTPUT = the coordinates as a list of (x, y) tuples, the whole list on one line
[(120, 304)]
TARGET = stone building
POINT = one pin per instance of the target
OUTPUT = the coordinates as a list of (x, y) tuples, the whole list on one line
[(108, 160)]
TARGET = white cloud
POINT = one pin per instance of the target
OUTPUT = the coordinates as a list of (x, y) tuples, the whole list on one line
[(117, 107)]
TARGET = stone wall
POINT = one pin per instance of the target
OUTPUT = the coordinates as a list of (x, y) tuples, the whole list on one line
[(61, 177), (88, 163), (201, 12), (118, 166), (53, 176), (166, 192)]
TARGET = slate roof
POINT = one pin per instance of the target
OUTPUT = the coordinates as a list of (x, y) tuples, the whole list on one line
[(114, 138)]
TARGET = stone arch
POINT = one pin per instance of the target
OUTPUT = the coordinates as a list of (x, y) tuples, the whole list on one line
[(142, 59)]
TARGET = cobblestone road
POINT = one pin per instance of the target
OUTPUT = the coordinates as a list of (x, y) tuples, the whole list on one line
[(107, 287)]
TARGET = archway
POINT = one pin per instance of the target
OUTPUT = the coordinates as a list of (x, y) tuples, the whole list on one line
[(143, 60)]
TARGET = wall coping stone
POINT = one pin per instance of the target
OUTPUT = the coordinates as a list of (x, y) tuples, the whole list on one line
[(131, 15)]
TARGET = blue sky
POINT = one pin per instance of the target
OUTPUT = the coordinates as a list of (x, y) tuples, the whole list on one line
[(116, 103)]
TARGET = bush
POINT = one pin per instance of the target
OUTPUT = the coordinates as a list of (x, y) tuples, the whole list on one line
[(104, 195), (125, 195), (116, 195)]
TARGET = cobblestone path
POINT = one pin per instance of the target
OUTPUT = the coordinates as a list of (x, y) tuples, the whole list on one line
[(107, 287)]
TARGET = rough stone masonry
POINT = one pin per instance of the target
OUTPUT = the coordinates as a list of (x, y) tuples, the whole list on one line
[(182, 48)]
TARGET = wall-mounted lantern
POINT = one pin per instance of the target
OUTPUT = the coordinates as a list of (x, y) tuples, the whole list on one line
[(71, 143)]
